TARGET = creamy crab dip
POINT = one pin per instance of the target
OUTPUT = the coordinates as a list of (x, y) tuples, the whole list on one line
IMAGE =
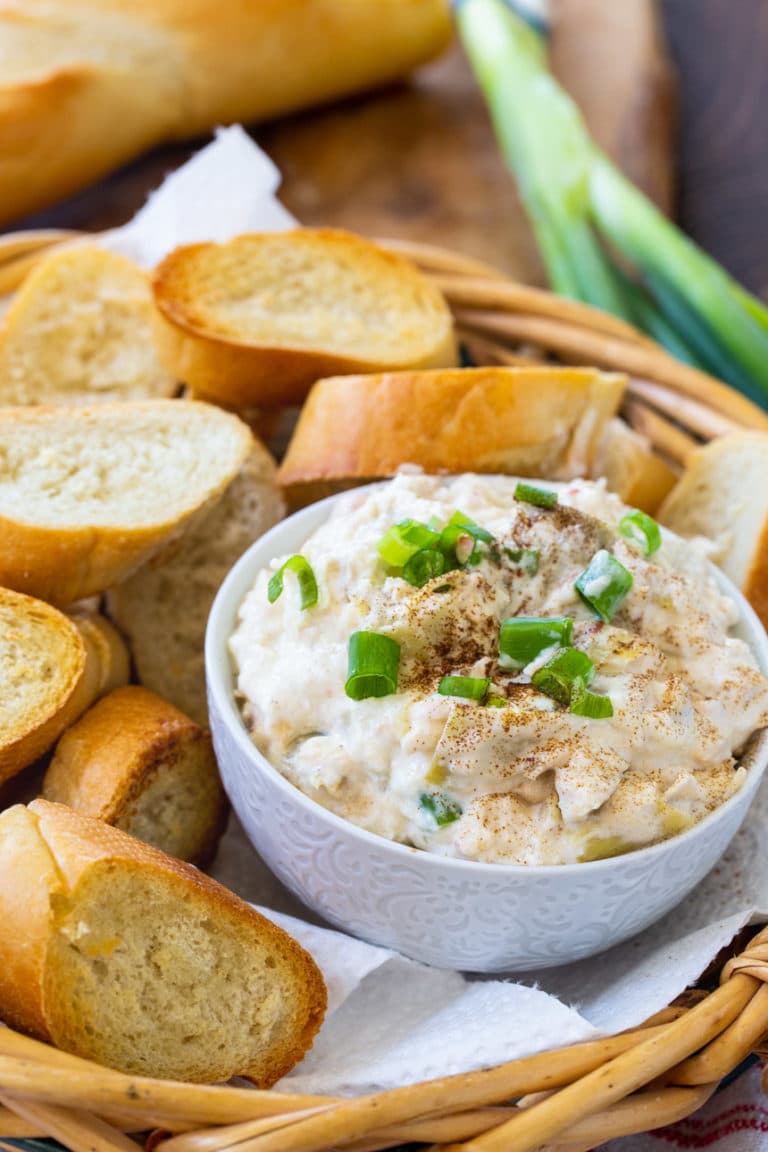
[(485, 669)]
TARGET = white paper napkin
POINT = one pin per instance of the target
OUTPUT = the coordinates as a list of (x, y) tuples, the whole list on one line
[(392, 1021)]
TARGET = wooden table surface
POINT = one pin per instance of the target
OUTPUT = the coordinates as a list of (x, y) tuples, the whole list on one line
[(420, 161)]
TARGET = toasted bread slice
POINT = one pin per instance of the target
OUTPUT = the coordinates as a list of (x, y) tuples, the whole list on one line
[(255, 321), (524, 421), (80, 331), (631, 468), (87, 494), (723, 495), (52, 668), (163, 608), (136, 762), (116, 952)]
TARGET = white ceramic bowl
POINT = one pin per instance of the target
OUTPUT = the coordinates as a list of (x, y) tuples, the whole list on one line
[(450, 913)]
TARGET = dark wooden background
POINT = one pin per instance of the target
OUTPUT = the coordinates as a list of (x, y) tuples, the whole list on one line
[(420, 161), (720, 48)]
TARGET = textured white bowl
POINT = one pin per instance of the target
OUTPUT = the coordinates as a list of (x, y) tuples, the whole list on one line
[(450, 913)]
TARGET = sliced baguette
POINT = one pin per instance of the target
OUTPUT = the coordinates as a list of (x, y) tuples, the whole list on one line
[(255, 321), (723, 495), (136, 762), (51, 669), (87, 494), (162, 609), (524, 421), (114, 951), (80, 331), (631, 468)]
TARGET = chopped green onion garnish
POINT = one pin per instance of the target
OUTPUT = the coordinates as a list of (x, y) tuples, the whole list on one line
[(642, 530), (523, 638), (305, 576), (444, 810), (468, 687), (457, 545), (403, 540), (423, 566), (541, 497), (471, 528), (590, 704), (496, 702), (604, 584), (527, 558), (567, 674), (373, 665)]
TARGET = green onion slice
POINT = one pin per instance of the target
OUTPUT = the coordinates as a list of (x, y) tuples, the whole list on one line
[(566, 675), (604, 584), (541, 497), (373, 665), (523, 638), (471, 528), (403, 540), (527, 558), (457, 545), (468, 687), (642, 530), (442, 807), (585, 703), (302, 569), (496, 702), (423, 566)]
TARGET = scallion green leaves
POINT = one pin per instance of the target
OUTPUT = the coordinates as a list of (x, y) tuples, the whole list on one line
[(642, 531), (585, 703), (302, 569), (442, 808), (565, 675), (523, 638), (404, 540), (530, 494), (471, 528), (420, 552), (423, 566), (466, 687), (604, 584), (527, 558), (374, 660)]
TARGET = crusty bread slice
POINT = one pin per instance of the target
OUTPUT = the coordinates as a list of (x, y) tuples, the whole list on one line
[(52, 668), (723, 495), (255, 321), (80, 331), (163, 608), (87, 494), (524, 421), (114, 951), (136, 762), (631, 468)]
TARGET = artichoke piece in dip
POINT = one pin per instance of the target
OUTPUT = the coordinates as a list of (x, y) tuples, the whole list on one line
[(493, 675)]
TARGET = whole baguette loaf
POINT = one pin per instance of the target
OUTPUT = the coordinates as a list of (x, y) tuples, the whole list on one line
[(723, 495), (116, 952), (86, 86), (137, 763), (524, 421), (52, 667), (162, 609), (87, 494), (80, 331), (257, 320)]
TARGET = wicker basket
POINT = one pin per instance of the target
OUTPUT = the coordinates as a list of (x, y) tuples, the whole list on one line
[(570, 1099)]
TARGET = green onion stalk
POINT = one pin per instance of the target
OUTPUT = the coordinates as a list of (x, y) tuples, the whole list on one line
[(602, 241)]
